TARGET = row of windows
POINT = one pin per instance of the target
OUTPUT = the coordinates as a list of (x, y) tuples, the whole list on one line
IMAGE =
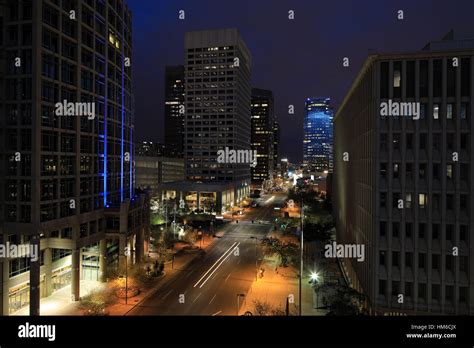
[(399, 78), (422, 261), (436, 230), (436, 143), (463, 292), (422, 170)]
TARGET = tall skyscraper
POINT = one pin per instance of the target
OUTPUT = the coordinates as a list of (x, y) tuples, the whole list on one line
[(262, 135), (403, 178), (67, 146), (317, 142), (174, 110), (217, 118), (276, 147)]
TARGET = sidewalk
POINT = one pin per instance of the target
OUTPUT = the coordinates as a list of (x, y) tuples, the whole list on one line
[(274, 288), (59, 303)]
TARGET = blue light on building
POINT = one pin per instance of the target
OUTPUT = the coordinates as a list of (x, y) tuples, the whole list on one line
[(318, 133)]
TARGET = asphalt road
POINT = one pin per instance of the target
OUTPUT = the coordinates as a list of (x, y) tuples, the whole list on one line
[(210, 285)]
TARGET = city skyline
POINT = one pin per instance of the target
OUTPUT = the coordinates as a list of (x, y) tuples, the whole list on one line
[(176, 160), (295, 47)]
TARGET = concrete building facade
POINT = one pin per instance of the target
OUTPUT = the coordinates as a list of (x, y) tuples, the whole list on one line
[(403, 183)]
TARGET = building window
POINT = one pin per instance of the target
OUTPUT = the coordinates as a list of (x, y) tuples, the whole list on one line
[(463, 111), (449, 293), (435, 262), (383, 199), (408, 289), (408, 260), (382, 285), (421, 231), (396, 170), (435, 292), (422, 200), (383, 228), (408, 229), (449, 111), (422, 291), (449, 171), (408, 200), (395, 259), (383, 170), (436, 111), (421, 261), (382, 258)]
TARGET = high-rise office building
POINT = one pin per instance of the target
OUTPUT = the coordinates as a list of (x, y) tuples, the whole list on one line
[(318, 132), (66, 146), (150, 148), (174, 110), (276, 147), (403, 180), (217, 118), (262, 135)]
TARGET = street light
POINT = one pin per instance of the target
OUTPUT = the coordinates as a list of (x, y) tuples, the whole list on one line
[(256, 258), (126, 253), (314, 277), (313, 280), (238, 302), (301, 254)]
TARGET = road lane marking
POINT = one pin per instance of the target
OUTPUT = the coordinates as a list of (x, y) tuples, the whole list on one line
[(217, 267), (226, 279), (212, 299), (216, 313), (197, 297), (210, 269), (167, 294)]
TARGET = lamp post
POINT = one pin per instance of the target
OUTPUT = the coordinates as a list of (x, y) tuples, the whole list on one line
[(174, 221), (314, 278), (126, 253), (238, 302), (256, 259), (301, 255)]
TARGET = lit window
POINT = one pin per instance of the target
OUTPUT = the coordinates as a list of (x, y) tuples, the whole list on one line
[(435, 111), (422, 200), (408, 200), (449, 171), (449, 111), (397, 78)]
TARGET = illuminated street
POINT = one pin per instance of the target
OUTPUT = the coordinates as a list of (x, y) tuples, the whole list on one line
[(210, 286)]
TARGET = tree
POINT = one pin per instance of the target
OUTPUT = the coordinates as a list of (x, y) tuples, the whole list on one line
[(341, 299), (320, 230), (286, 252)]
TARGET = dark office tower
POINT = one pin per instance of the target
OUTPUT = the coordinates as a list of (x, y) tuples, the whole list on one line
[(263, 120), (174, 110), (317, 142), (66, 146), (403, 180), (276, 147)]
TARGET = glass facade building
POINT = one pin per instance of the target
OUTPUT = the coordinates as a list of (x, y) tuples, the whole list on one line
[(318, 134)]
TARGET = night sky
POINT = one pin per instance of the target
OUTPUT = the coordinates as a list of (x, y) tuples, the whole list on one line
[(294, 58)]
